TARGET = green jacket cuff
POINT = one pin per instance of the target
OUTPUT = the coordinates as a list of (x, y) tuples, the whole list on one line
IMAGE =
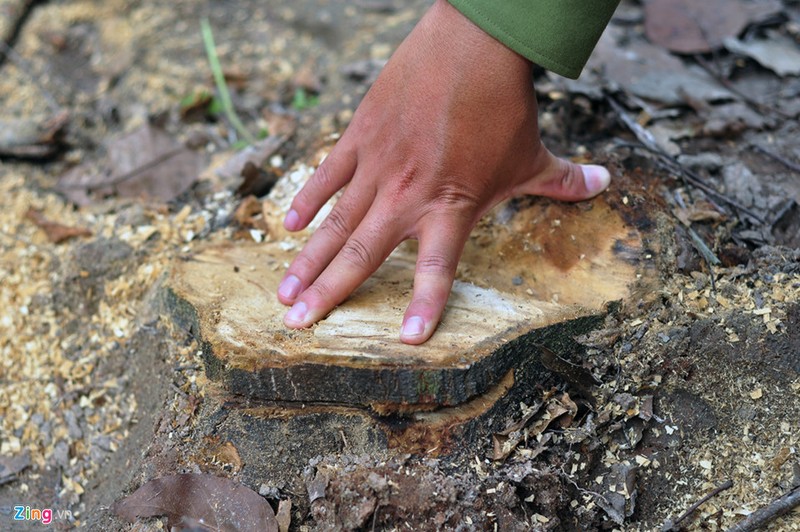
[(558, 35)]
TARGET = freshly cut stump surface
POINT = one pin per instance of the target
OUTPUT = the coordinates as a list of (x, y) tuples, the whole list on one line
[(529, 265)]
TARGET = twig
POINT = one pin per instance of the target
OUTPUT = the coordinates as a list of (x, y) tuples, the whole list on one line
[(708, 256), (758, 106), (703, 248), (781, 159), (648, 142), (219, 80), (641, 134), (671, 525), (769, 513)]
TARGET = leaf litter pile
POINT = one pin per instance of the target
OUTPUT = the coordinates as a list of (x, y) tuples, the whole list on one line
[(116, 163)]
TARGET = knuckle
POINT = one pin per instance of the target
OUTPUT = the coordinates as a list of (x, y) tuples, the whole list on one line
[(302, 263), (323, 177), (358, 254), (421, 302), (435, 264), (454, 195), (319, 294), (336, 225), (569, 176)]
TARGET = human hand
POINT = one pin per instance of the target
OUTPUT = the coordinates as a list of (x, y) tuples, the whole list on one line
[(448, 130)]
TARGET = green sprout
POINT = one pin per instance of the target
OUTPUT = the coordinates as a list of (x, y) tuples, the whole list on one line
[(303, 100), (219, 81)]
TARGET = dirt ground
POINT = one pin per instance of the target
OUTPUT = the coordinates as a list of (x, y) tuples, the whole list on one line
[(100, 392)]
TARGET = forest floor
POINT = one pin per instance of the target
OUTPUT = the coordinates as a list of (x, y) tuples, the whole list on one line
[(99, 393)]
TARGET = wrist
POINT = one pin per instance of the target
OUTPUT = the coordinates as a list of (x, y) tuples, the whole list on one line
[(447, 26)]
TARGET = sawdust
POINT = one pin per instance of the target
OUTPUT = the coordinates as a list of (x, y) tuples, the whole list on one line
[(56, 403), (719, 362)]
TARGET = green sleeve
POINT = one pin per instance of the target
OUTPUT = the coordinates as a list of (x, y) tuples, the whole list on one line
[(556, 34)]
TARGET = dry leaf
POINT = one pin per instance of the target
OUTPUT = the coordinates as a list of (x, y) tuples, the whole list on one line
[(650, 72), (560, 408), (249, 214), (690, 27), (776, 52), (619, 492), (147, 164), (56, 233), (284, 515), (187, 500)]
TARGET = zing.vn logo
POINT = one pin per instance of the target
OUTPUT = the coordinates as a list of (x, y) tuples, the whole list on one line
[(26, 513)]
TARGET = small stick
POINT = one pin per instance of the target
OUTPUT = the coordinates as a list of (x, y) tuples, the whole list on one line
[(649, 143), (769, 513), (691, 177), (671, 525), (783, 160), (703, 248), (708, 256), (758, 106)]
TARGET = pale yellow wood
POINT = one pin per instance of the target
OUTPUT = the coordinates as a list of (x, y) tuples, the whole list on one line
[(529, 264)]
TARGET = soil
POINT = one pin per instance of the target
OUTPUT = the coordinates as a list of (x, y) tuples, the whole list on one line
[(100, 391)]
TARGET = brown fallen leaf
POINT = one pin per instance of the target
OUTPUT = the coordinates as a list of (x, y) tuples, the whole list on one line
[(146, 163), (249, 214), (56, 232), (690, 27), (190, 499)]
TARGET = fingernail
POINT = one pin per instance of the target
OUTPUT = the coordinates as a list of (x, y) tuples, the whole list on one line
[(414, 326), (289, 287), (292, 220), (297, 314), (596, 178)]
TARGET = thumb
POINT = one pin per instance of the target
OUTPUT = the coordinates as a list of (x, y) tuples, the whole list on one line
[(566, 181)]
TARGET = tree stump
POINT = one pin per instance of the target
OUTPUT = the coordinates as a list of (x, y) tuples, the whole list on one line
[(531, 265)]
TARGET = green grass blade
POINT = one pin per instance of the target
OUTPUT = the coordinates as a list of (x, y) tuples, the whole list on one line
[(219, 81)]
